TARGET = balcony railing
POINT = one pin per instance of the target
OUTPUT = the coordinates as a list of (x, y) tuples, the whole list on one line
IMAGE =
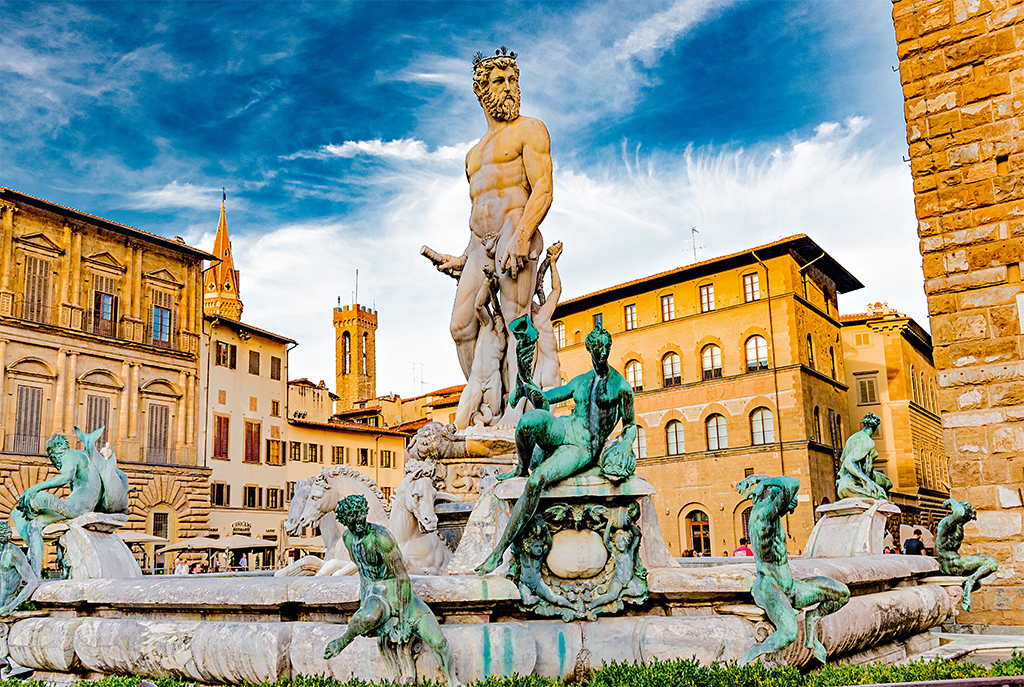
[(35, 312), (26, 444), (165, 455)]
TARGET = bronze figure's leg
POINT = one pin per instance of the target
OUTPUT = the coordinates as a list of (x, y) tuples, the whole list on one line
[(368, 618), (780, 611), (830, 595), (429, 631)]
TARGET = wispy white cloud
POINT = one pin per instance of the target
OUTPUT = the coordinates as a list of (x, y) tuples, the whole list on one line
[(174, 195), (400, 149), (655, 34)]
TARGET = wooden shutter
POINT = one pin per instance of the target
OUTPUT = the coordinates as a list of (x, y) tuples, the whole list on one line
[(159, 417), (867, 391), (97, 413), (234, 356), (37, 288), (28, 419), (221, 436)]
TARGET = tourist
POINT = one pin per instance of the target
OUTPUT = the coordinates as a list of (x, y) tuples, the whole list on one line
[(914, 546), (743, 549), (243, 563)]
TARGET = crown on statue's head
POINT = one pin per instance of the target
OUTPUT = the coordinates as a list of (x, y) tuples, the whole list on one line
[(479, 58)]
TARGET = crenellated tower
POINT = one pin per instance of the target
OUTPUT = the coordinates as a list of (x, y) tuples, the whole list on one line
[(220, 281), (355, 361)]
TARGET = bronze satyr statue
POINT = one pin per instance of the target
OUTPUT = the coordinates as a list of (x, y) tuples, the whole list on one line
[(551, 448), (774, 588), (857, 476), (389, 608), (949, 535), (17, 579)]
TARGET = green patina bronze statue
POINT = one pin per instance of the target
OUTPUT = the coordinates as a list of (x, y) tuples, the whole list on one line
[(389, 608), (949, 535), (857, 477), (775, 590), (96, 486), (17, 579), (550, 448)]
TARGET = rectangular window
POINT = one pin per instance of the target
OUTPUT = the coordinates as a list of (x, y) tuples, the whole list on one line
[(630, 317), (275, 452), (385, 459), (387, 493), (560, 334), (751, 287), (273, 497), (104, 306), (668, 308), (254, 362), (364, 457), (37, 289), (313, 453), (707, 298), (253, 497), (867, 391), (275, 409), (161, 324), (598, 320), (220, 494), (161, 525), (289, 489), (296, 451), (337, 455), (28, 420), (221, 425), (226, 355), (253, 430), (159, 423), (275, 368), (97, 412)]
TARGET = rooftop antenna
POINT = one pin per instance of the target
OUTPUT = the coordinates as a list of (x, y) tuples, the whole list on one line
[(339, 301), (693, 239)]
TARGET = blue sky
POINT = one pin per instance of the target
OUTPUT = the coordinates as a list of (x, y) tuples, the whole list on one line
[(339, 131)]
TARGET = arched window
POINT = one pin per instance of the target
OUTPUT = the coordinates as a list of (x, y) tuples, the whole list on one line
[(700, 531), (711, 362), (674, 438), (817, 424), (366, 344), (635, 375), (640, 443), (810, 351), (746, 522), (757, 353), (671, 370), (924, 393), (832, 360), (346, 346), (913, 383), (560, 334), (718, 437), (839, 431), (762, 427)]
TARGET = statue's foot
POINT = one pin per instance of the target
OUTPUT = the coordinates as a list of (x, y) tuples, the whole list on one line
[(333, 649), (489, 566), (966, 603), (819, 651), (508, 475)]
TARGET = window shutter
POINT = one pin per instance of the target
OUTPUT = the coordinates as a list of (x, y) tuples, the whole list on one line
[(227, 494), (234, 355), (97, 413), (28, 419)]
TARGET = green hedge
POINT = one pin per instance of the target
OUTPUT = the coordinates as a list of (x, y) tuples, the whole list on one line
[(676, 673)]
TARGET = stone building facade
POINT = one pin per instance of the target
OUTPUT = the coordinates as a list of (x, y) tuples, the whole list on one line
[(962, 70), (737, 368), (99, 326), (889, 372)]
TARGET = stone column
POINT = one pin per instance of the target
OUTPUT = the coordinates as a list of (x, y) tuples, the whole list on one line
[(6, 258), (133, 402), (76, 266), (123, 401), (190, 408), (58, 392), (65, 266), (3, 389), (137, 286), (180, 407), (127, 294), (71, 395)]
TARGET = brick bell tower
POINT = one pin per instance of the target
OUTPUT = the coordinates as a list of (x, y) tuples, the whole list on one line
[(355, 358), (220, 295)]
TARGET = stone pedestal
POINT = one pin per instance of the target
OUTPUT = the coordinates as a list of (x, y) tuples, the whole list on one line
[(92, 550), (850, 527)]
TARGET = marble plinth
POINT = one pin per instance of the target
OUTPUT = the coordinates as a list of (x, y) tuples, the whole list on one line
[(850, 527), (92, 550)]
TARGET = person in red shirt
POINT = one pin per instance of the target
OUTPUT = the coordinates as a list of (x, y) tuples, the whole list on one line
[(743, 549)]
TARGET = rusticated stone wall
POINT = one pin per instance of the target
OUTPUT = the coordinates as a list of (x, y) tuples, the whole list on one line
[(962, 69)]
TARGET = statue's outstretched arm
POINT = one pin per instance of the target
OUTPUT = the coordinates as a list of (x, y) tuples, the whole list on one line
[(959, 513), (63, 478), (559, 393)]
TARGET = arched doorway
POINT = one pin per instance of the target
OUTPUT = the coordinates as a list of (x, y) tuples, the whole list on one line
[(698, 530)]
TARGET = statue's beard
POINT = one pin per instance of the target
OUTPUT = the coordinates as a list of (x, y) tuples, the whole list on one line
[(504, 111)]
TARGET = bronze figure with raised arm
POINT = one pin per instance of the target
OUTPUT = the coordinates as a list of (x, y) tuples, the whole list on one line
[(775, 590), (949, 535), (551, 448)]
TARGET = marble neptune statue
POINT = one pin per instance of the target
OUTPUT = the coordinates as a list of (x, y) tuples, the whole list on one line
[(97, 485), (509, 173), (857, 476), (949, 535), (775, 589), (388, 607)]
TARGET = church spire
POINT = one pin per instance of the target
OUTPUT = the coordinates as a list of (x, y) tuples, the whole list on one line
[(221, 279)]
